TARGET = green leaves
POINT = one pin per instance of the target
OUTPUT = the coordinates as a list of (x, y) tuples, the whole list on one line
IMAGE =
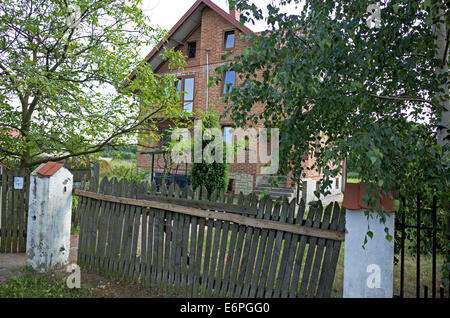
[(370, 91), (64, 85)]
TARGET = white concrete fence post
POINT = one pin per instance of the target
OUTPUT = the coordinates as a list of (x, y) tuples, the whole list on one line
[(49, 217), (368, 271)]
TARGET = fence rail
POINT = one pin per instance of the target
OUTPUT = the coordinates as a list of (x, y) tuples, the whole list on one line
[(282, 251)]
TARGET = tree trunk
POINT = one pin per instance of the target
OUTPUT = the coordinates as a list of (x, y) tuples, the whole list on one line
[(440, 30)]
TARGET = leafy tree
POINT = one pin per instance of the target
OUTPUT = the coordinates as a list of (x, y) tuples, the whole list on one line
[(62, 71), (214, 175), (340, 84)]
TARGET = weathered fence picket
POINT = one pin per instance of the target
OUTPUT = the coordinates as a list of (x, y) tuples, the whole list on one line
[(13, 210), (206, 248)]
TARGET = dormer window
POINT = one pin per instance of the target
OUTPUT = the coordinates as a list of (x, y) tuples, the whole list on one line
[(229, 39), (192, 49)]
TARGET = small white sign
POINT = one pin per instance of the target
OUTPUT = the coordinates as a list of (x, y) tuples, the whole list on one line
[(18, 183)]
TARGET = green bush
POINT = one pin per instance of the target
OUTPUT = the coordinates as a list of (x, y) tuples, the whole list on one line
[(214, 176)]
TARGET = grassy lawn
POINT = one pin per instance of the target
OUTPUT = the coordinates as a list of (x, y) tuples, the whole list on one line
[(29, 284)]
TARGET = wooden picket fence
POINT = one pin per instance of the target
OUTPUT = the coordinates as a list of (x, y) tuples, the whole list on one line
[(13, 211), (197, 244)]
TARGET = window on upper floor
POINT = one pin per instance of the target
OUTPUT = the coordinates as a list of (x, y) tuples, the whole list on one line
[(192, 49), (228, 134), (185, 86), (229, 80), (229, 39)]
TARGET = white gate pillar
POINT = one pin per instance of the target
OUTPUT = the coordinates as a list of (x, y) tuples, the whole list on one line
[(368, 271), (49, 217)]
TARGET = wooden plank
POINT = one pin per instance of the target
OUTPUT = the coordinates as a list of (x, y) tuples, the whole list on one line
[(184, 253), (93, 229), (208, 246), (150, 248), (82, 239), (289, 253), (128, 230), (263, 224), (10, 213), (120, 238), (134, 263), (257, 244), (168, 241), (311, 250), (144, 262), (299, 256), (15, 217), (4, 211), (158, 240), (311, 292), (223, 250), (200, 245), (328, 253), (178, 251), (192, 268), (246, 267), (268, 252), (333, 250), (112, 218), (227, 280), (101, 228), (141, 243), (217, 227), (261, 252), (115, 236), (178, 239), (22, 216), (174, 243), (192, 250), (156, 247), (199, 204), (167, 246), (279, 236)]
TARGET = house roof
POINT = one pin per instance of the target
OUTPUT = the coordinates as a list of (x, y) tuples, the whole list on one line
[(188, 23), (49, 169)]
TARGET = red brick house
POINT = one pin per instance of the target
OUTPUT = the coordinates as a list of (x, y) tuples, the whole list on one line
[(204, 34)]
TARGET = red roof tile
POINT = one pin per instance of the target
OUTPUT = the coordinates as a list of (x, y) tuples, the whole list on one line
[(353, 198), (49, 169)]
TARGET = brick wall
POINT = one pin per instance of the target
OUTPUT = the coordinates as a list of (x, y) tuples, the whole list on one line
[(209, 38)]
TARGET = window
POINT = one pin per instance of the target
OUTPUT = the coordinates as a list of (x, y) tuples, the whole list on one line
[(229, 39), (228, 134), (228, 82), (186, 88), (192, 48)]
